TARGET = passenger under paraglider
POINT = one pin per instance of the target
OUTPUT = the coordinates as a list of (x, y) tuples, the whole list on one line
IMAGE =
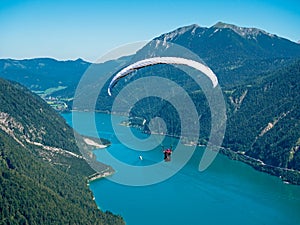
[(167, 155)]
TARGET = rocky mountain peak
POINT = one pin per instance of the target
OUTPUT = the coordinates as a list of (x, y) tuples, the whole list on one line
[(242, 31), (180, 31)]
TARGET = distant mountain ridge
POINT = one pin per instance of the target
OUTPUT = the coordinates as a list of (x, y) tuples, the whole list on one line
[(43, 73)]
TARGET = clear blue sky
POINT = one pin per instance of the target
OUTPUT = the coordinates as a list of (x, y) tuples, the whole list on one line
[(66, 29)]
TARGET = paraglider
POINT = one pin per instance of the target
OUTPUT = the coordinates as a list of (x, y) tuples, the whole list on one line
[(167, 154), (163, 60)]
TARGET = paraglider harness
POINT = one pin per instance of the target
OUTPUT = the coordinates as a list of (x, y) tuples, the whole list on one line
[(167, 154)]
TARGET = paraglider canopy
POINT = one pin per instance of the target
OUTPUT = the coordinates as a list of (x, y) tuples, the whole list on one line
[(163, 60)]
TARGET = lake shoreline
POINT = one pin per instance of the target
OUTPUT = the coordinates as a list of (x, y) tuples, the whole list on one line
[(98, 175), (289, 176), (286, 175)]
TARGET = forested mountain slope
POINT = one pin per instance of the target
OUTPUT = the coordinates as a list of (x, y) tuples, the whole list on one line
[(43, 176), (264, 118)]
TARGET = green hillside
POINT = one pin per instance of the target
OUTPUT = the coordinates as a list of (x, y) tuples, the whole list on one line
[(264, 119), (40, 185)]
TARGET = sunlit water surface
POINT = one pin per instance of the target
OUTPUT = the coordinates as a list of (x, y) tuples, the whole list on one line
[(228, 192)]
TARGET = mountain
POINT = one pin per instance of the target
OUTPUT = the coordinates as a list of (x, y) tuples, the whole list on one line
[(235, 54), (257, 73), (43, 73), (43, 175), (55, 81)]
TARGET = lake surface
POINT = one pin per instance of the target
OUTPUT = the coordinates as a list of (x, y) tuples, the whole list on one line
[(228, 192)]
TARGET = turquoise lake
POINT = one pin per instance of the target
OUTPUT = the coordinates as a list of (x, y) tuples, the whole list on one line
[(228, 192)]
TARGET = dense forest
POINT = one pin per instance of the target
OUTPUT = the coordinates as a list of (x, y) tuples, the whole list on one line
[(264, 118), (40, 186)]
